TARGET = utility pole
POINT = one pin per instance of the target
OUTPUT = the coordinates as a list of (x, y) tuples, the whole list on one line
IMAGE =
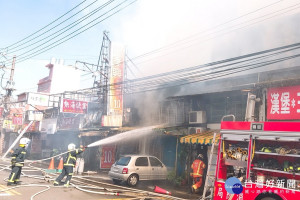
[(9, 88)]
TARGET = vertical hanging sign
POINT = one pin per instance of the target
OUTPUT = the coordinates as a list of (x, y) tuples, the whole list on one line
[(107, 157), (115, 94)]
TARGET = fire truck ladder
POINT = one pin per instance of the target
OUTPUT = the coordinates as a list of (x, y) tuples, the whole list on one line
[(210, 178)]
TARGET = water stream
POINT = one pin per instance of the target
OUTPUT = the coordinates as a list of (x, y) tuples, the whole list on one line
[(128, 135)]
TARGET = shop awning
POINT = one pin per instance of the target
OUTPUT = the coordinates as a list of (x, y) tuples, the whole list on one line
[(201, 138)]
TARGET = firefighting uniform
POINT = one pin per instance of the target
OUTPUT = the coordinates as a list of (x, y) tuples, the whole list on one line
[(198, 167), (69, 163), (17, 161)]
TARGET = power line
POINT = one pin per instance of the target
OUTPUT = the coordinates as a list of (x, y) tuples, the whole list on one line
[(47, 24), (72, 36), (212, 28), (204, 40), (217, 25), (76, 23)]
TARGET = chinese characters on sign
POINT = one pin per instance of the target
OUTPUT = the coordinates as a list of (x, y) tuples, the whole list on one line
[(17, 119), (38, 99), (108, 156), (284, 103), (115, 106), (74, 106)]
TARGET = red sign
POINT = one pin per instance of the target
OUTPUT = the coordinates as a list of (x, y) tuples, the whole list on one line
[(33, 128), (74, 106), (1, 112), (17, 119), (108, 157), (283, 103)]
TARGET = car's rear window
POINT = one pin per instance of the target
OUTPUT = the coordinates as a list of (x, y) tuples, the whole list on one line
[(123, 161)]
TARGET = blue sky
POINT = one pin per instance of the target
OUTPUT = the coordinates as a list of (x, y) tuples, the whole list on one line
[(148, 25)]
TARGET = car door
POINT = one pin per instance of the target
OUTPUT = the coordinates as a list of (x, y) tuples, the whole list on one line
[(142, 167), (158, 170)]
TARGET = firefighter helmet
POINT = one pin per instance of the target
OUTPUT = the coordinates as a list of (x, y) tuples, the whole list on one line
[(200, 156), (24, 142), (71, 147)]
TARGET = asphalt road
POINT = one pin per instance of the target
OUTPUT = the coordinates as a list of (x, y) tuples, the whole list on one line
[(37, 188)]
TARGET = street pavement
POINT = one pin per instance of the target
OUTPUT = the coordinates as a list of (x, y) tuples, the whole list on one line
[(31, 186)]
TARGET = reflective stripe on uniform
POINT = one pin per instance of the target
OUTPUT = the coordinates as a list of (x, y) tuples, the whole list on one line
[(11, 180), (68, 160), (69, 165)]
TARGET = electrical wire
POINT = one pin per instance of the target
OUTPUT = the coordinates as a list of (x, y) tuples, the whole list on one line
[(46, 25), (73, 24), (195, 41), (245, 14), (212, 28), (44, 49)]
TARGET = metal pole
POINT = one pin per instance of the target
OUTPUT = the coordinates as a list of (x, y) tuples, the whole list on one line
[(18, 138), (176, 156)]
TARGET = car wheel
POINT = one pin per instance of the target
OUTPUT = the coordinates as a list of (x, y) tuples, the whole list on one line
[(116, 182), (133, 180)]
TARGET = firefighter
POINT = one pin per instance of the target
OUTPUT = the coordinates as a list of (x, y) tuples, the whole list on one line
[(198, 167), (17, 162), (69, 163)]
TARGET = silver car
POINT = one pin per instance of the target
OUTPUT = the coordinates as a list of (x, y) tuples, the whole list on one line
[(135, 168)]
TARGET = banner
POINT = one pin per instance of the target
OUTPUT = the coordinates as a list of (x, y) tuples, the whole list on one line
[(17, 119), (74, 106), (8, 124), (107, 157), (38, 99), (115, 98), (283, 103)]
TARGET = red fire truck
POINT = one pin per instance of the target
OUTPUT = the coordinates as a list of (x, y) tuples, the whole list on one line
[(258, 160)]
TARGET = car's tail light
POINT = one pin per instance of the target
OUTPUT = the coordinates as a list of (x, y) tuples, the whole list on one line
[(125, 171)]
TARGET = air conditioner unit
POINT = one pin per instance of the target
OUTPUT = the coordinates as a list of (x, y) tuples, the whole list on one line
[(193, 130), (197, 117)]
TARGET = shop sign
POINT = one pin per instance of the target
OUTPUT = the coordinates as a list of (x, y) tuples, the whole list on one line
[(17, 119), (34, 115), (283, 103), (74, 106), (48, 126), (107, 157), (112, 120), (38, 99), (115, 98), (69, 123), (8, 124)]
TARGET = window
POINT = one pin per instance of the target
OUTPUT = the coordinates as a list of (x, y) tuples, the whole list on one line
[(141, 161), (155, 162), (123, 161)]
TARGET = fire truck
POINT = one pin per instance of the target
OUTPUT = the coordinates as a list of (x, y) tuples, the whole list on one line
[(258, 161)]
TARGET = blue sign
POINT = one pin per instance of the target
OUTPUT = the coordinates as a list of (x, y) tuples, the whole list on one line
[(233, 186)]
